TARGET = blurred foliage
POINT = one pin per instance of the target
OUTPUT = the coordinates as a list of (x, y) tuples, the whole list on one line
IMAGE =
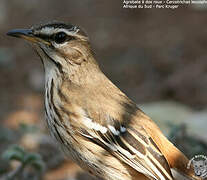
[(26, 128), (29, 163), (26, 159)]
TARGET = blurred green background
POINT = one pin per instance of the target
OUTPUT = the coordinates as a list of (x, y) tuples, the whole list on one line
[(157, 57)]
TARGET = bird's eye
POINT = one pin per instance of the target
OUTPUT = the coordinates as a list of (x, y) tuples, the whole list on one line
[(60, 37)]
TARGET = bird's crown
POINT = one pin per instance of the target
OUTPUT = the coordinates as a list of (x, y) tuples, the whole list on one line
[(58, 31)]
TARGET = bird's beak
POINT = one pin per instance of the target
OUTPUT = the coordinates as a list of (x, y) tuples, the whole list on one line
[(26, 34), (23, 33)]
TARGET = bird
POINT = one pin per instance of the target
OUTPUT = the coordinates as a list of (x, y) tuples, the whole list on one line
[(95, 123)]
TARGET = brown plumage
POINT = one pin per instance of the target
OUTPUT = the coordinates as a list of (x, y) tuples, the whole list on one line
[(97, 125)]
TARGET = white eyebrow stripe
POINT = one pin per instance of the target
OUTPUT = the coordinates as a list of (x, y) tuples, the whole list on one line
[(47, 30), (51, 30), (68, 32)]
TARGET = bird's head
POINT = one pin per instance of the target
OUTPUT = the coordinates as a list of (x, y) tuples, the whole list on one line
[(58, 44)]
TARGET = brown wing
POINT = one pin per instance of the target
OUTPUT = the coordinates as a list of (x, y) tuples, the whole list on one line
[(134, 147)]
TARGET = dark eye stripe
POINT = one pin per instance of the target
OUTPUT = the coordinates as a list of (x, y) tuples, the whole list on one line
[(44, 36), (51, 37)]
